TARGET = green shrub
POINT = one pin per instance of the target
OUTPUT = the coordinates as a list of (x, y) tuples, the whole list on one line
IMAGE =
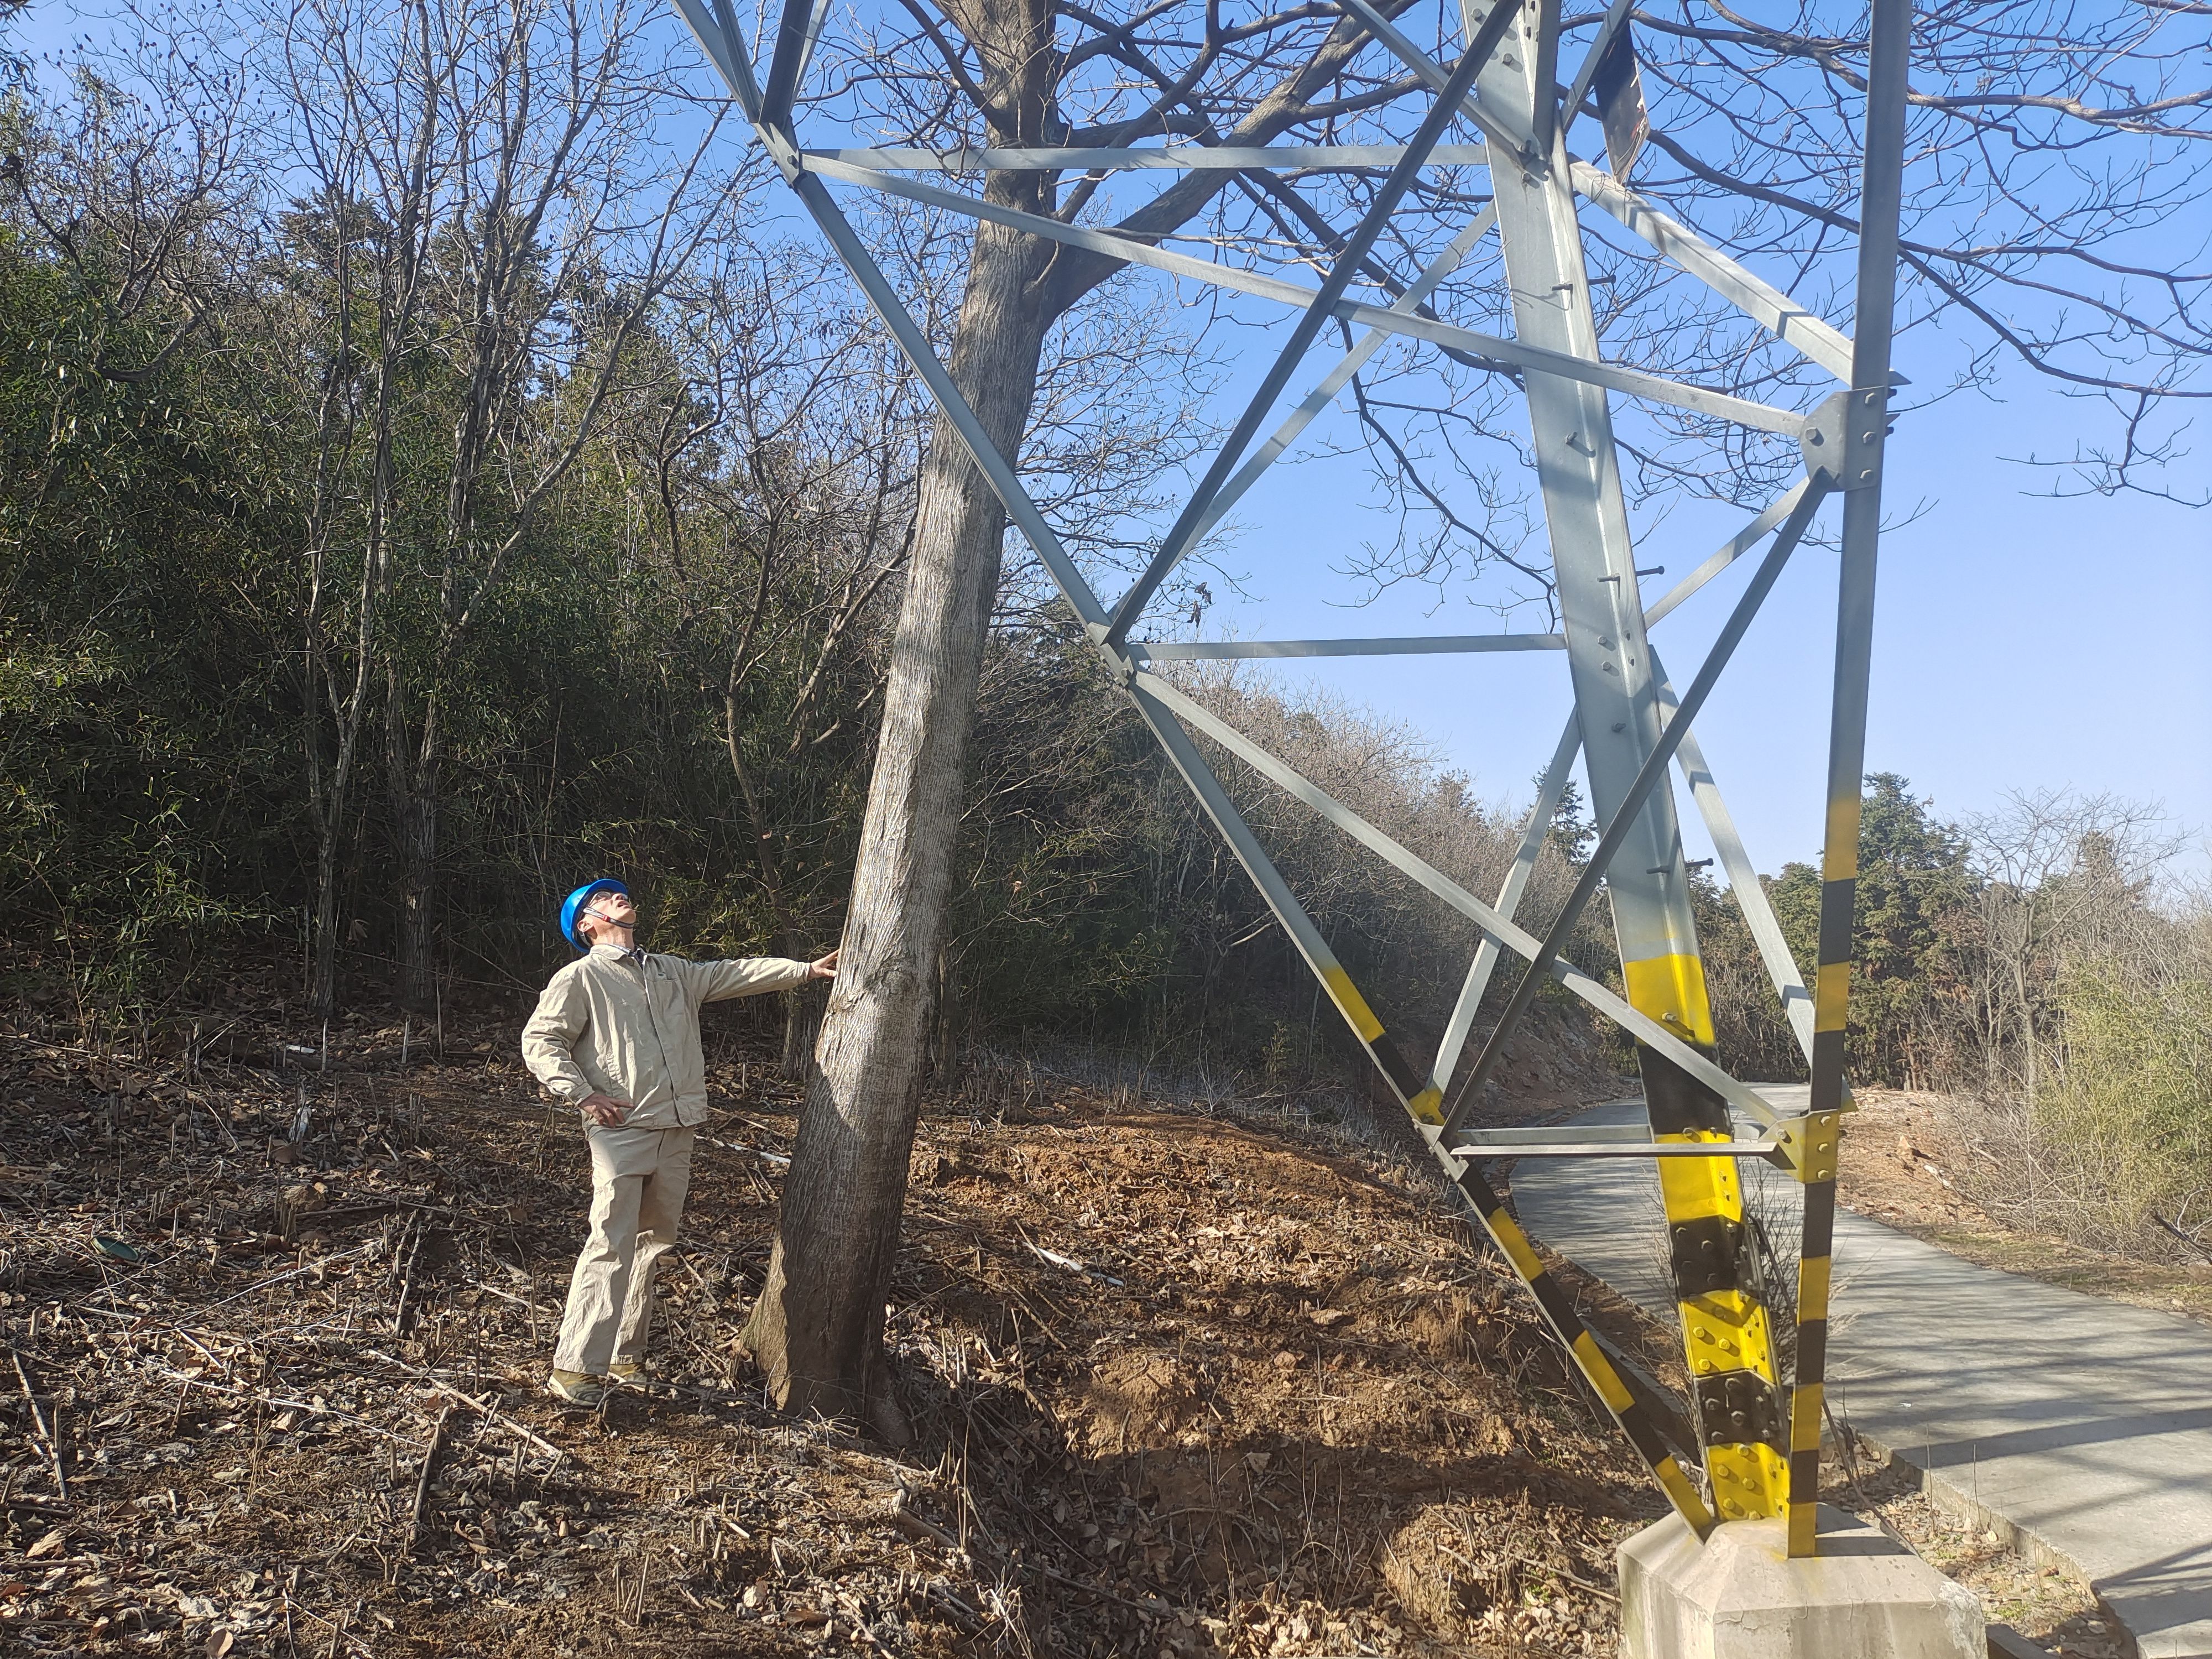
[(2125, 1118)]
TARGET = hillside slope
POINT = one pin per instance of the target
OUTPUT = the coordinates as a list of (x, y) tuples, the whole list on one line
[(1182, 1383)]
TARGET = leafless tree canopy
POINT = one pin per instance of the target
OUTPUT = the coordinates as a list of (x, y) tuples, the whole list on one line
[(2052, 223)]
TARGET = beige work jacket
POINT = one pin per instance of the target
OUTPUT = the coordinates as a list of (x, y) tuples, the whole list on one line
[(610, 1025)]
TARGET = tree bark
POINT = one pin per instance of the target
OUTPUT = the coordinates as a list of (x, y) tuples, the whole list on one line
[(818, 1328)]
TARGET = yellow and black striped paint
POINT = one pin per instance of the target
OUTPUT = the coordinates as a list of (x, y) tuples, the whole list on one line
[(1727, 1336), (1413, 1093), (1426, 1105), (1560, 1314), (1424, 1102), (1815, 1161)]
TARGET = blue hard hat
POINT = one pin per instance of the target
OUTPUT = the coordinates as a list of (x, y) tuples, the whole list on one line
[(573, 906)]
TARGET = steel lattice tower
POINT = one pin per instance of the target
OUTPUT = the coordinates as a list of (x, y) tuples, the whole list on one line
[(1761, 1440)]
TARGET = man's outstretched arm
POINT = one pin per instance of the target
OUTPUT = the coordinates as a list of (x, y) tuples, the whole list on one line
[(746, 977)]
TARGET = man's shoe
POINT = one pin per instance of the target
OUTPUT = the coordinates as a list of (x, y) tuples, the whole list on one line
[(577, 1389), (629, 1370)]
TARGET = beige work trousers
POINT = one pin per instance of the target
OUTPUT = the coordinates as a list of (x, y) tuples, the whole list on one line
[(639, 1177)]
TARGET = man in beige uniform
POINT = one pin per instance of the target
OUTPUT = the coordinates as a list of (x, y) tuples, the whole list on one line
[(616, 1034)]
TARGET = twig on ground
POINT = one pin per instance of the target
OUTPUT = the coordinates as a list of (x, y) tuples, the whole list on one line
[(38, 1416), (407, 1279), (338, 1632), (749, 1152), (1158, 1609), (494, 1416), (284, 1404), (915, 1527), (1067, 1262), (431, 1459)]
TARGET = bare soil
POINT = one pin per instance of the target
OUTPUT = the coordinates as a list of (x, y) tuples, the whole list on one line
[(1182, 1383)]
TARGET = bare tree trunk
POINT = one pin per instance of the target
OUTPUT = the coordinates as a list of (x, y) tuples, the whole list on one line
[(802, 1025), (413, 771), (323, 982), (818, 1328)]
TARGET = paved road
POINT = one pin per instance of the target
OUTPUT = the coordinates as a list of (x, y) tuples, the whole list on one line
[(2083, 1426)]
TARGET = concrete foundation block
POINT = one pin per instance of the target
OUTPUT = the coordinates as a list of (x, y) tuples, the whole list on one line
[(1738, 1595)]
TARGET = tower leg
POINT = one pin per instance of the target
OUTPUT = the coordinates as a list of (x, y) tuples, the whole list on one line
[(1728, 1344)]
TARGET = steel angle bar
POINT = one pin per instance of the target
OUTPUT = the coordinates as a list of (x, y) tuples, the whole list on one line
[(1291, 914), (1617, 831), (716, 28), (784, 63), (1519, 940), (1429, 70), (1472, 1145), (1633, 382), (1235, 158), (1427, 67), (1110, 243), (814, 24), (1544, 69), (1881, 184), (1615, 377), (1212, 650), (1733, 549), (1558, 1310), (1742, 875), (918, 351), (1760, 300), (1549, 789), (1536, 1135), (1349, 365), (1184, 533), (1597, 1369)]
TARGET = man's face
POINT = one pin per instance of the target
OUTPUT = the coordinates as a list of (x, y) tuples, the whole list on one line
[(606, 918)]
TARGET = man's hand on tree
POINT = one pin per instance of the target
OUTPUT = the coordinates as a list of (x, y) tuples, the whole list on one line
[(603, 1110), (825, 969)]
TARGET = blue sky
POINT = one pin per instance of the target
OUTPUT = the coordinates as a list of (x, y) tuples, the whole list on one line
[(2022, 642)]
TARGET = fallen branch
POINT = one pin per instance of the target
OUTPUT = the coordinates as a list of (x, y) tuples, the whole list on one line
[(749, 1152), (53, 1447), (483, 1408), (406, 1281), (2189, 1239), (915, 1527), (339, 1632), (431, 1460), (319, 1265), (497, 1417), (1068, 1263), (1151, 1607)]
